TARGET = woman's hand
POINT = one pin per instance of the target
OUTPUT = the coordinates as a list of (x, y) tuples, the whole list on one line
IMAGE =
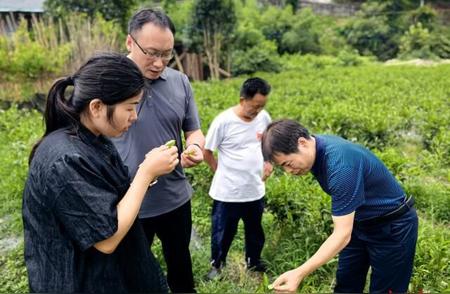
[(160, 161)]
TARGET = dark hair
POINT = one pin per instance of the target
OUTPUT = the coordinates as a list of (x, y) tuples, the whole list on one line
[(253, 86), (282, 136), (110, 77), (154, 16)]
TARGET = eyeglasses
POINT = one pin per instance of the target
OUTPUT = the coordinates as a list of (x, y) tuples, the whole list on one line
[(153, 54)]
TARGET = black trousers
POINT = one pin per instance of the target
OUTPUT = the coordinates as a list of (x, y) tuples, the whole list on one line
[(225, 219), (174, 231), (388, 248)]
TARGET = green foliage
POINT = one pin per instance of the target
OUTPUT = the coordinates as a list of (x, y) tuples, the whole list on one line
[(19, 130), (431, 195), (212, 18), (347, 58), (388, 28), (29, 57), (180, 14), (307, 62), (252, 52), (118, 10), (425, 15), (304, 36), (211, 30), (440, 44), (331, 41), (13, 274), (260, 57), (432, 262), (370, 32), (275, 22), (399, 112), (4, 49), (416, 43)]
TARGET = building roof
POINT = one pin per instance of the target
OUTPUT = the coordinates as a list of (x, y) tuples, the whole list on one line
[(22, 6)]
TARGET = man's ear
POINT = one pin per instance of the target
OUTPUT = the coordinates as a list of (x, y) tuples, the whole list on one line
[(302, 142), (129, 42), (96, 107)]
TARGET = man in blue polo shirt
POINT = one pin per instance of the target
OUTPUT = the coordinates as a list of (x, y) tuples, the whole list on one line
[(375, 224)]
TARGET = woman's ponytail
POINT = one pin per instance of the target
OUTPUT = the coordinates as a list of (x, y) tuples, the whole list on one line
[(59, 113)]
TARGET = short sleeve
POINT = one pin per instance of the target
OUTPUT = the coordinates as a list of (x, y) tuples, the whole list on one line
[(346, 187), (191, 120), (214, 136), (267, 118), (85, 203)]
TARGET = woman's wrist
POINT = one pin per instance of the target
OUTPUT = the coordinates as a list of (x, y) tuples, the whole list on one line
[(146, 178)]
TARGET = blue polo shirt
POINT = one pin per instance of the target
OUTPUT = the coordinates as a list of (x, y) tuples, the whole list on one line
[(355, 179)]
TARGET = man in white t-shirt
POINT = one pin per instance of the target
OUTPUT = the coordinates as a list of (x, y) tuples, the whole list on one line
[(239, 173)]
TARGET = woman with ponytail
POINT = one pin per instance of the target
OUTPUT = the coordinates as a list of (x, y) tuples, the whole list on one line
[(79, 205)]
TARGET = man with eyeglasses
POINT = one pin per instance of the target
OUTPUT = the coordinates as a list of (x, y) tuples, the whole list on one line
[(166, 110), (374, 222)]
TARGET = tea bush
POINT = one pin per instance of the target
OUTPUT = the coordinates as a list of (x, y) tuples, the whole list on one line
[(19, 130), (401, 113)]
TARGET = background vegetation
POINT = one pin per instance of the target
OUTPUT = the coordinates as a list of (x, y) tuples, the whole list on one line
[(400, 112), (326, 72)]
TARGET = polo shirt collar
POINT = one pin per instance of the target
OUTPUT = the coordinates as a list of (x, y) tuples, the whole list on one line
[(163, 75), (320, 154)]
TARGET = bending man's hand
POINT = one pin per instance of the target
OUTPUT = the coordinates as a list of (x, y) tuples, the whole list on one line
[(288, 282)]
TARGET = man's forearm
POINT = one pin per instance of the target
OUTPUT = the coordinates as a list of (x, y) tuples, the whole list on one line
[(329, 249), (210, 159), (195, 137)]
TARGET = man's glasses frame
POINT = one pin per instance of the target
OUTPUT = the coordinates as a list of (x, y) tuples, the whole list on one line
[(165, 56)]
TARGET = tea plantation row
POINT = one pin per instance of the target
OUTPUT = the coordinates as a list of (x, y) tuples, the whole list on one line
[(402, 113)]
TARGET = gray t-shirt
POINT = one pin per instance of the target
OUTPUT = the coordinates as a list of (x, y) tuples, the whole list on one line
[(166, 110)]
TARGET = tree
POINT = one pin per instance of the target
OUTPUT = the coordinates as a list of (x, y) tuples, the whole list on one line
[(213, 22), (372, 31), (118, 10)]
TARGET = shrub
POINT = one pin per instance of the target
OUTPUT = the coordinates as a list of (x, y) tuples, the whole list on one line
[(416, 43), (4, 56), (31, 58), (370, 33), (297, 62), (440, 43), (399, 112), (304, 37), (262, 57), (432, 262), (13, 272), (275, 22), (348, 58), (431, 196)]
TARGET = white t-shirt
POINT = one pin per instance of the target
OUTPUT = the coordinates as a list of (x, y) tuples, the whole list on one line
[(238, 177)]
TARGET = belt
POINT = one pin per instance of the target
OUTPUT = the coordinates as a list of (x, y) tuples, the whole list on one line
[(394, 214)]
